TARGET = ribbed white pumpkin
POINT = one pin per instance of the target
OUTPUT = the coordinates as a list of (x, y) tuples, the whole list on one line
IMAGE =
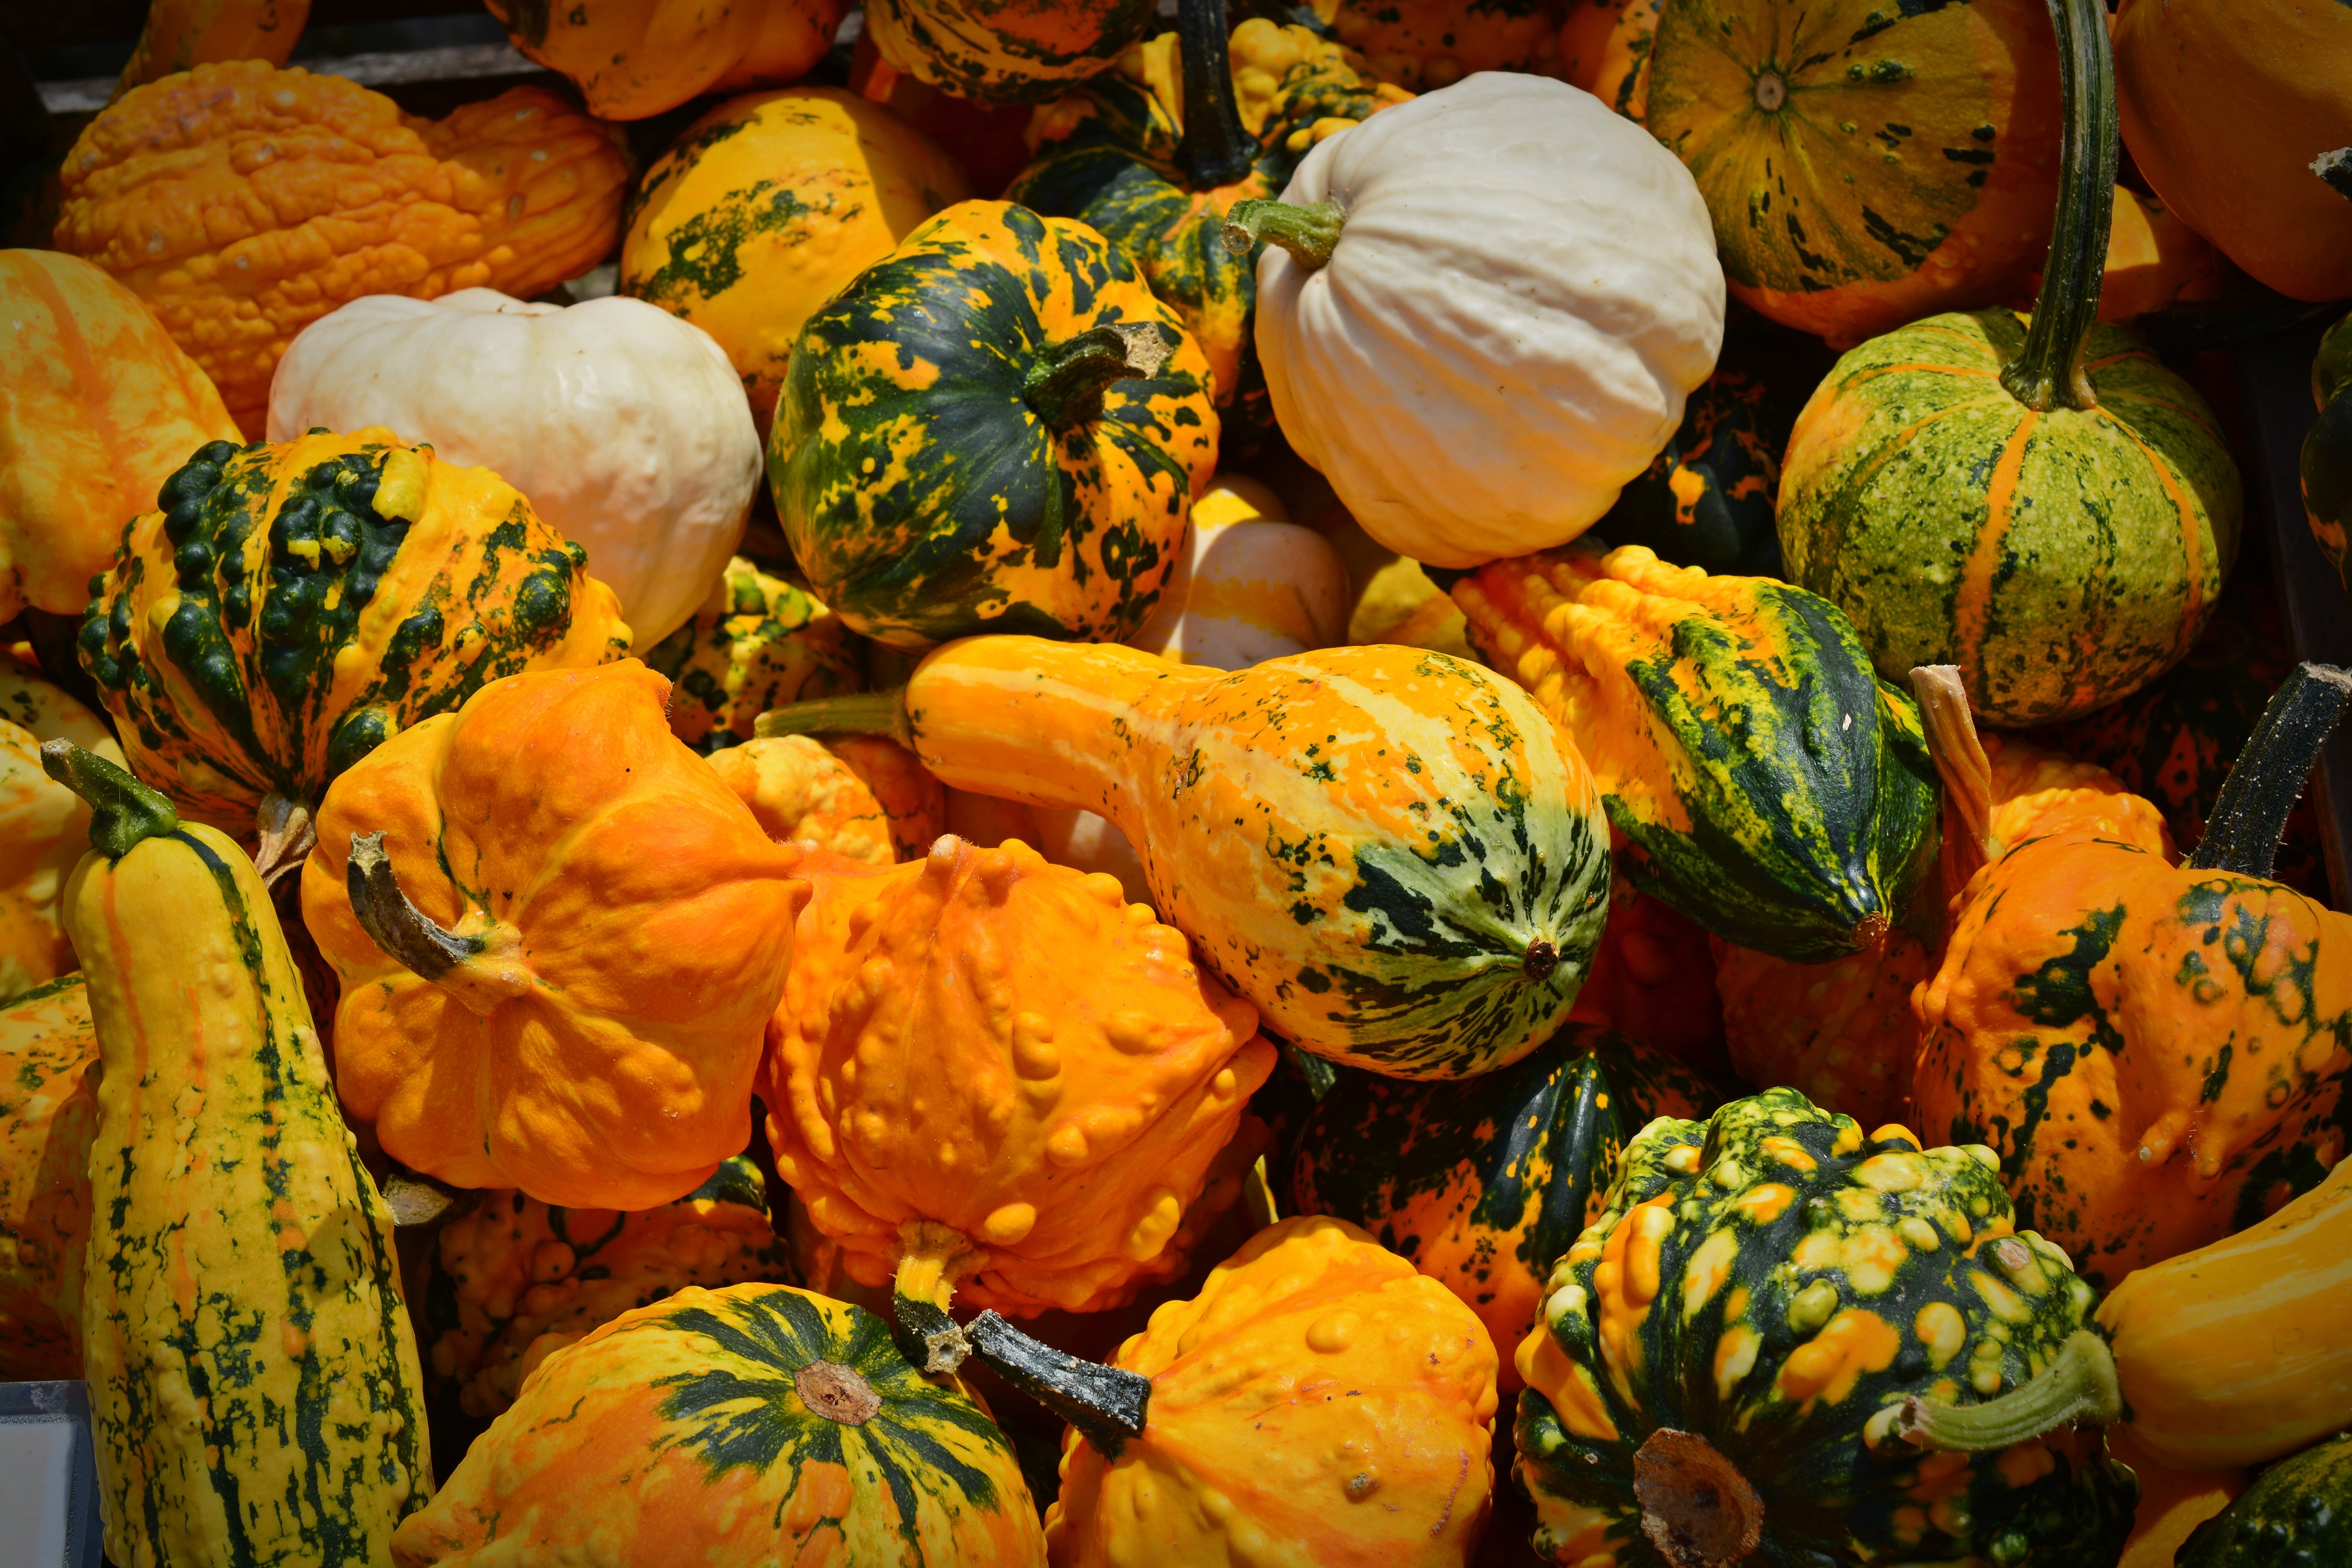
[(1523, 291), (626, 427), (1249, 585)]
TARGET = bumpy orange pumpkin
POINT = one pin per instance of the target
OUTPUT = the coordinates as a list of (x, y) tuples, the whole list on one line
[(243, 202), (47, 1117), (802, 794), (1006, 1066), (631, 58), (100, 406), (559, 936), (44, 827)]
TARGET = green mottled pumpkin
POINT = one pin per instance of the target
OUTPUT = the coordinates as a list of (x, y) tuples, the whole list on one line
[(2327, 451), (1482, 1184), (1154, 154), (2039, 501), (759, 642), (997, 428), (291, 607), (2297, 1514), (757, 1424), (1005, 51), (1726, 1352)]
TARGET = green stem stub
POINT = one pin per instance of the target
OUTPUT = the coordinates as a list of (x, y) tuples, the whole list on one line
[(1065, 387), (880, 714), (2249, 814), (1310, 233), (122, 811), (2049, 373), (2079, 1385)]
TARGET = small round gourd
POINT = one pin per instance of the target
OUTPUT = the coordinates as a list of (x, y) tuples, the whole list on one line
[(1250, 584)]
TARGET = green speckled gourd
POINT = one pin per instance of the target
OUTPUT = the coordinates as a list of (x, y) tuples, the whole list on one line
[(1726, 1354), (758, 643), (1482, 1184), (291, 606), (2039, 500), (2297, 1514), (2327, 451), (1154, 154), (255, 1393), (994, 428)]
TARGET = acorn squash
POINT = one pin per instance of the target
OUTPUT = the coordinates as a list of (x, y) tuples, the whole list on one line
[(255, 1394), (2296, 1514), (758, 642), (1481, 1186), (2327, 453), (44, 827), (1726, 1354), (634, 58), (49, 1115), (994, 428), (1005, 51)]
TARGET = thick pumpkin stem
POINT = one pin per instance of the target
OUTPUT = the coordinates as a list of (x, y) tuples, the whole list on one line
[(1065, 387), (1309, 233), (1216, 149), (122, 811), (2078, 1385), (1697, 1510), (397, 926), (2250, 815), (1961, 764), (284, 836), (862, 714), (2049, 373)]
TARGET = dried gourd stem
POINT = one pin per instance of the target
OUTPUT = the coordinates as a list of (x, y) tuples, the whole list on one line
[(285, 836), (2048, 373), (861, 714), (417, 1199), (1065, 387), (1216, 149), (395, 925), (1697, 1510), (1310, 233), (1961, 764), (2249, 814), (122, 811), (2078, 1385), (2336, 168)]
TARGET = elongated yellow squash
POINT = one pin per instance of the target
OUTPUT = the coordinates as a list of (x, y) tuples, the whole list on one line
[(253, 1379)]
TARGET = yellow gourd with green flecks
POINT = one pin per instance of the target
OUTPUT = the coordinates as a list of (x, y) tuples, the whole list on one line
[(758, 643)]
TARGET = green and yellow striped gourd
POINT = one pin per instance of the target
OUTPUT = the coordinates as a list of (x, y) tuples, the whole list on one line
[(758, 642)]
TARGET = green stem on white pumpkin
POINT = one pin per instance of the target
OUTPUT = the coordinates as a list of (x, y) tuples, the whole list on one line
[(122, 811), (1216, 148), (2078, 1385), (2249, 814), (2049, 373), (1310, 233), (2336, 168), (1064, 387), (882, 713)]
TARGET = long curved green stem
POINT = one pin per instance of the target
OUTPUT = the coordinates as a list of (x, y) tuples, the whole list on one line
[(122, 811), (2078, 1385), (880, 714), (2049, 373), (2249, 814), (1216, 149), (1309, 233)]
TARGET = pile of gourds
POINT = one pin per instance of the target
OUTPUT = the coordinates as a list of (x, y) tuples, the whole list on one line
[(706, 838)]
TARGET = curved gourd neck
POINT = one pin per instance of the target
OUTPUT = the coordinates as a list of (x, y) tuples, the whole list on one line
[(2250, 815), (1216, 148), (2049, 373), (123, 813), (1965, 770), (1310, 233)]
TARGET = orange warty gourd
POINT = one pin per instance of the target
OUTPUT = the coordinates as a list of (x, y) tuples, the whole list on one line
[(1654, 977), (914, 802), (181, 35), (97, 406), (1003, 1069), (49, 1115), (559, 934), (631, 58), (242, 202), (1318, 1402), (802, 794), (44, 827)]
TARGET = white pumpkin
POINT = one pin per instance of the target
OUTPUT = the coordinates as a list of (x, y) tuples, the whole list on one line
[(626, 427), (1250, 584), (1521, 291)]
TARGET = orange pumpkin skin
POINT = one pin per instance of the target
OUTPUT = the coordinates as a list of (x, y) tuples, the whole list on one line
[(1318, 1402), (631, 58), (598, 1051), (181, 34), (44, 827), (1095, 1072), (48, 1114), (100, 406), (1655, 977), (802, 794), (242, 202), (914, 802)]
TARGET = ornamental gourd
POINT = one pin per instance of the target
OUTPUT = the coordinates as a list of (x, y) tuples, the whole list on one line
[(1482, 1184), (634, 58), (181, 34), (2327, 451), (1864, 166), (1604, 48), (1317, 1402), (1436, 43), (1249, 585), (994, 428), (1312, 824), (1005, 51), (1155, 154), (559, 936), (1964, 485), (102, 406), (2156, 1056), (1481, 312), (803, 793), (1726, 1354), (237, 1246), (2293, 1516), (44, 827), (758, 642), (766, 207), (1653, 978), (241, 203), (49, 1115), (291, 607), (650, 464), (754, 1423), (1764, 783)]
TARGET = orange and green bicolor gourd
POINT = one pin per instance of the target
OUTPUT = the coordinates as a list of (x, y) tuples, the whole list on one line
[(1395, 856), (49, 1113), (758, 642), (1005, 51), (997, 428), (2327, 451), (2037, 500), (1727, 1354), (255, 1392)]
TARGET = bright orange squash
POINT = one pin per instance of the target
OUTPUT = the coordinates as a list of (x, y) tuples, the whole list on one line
[(183, 34), (44, 827), (802, 794), (632, 59)]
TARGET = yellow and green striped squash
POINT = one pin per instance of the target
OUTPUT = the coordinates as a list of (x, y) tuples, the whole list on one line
[(759, 642), (1005, 51), (255, 1392), (49, 1113), (291, 607), (757, 1424), (1727, 1349), (1764, 782), (994, 428)]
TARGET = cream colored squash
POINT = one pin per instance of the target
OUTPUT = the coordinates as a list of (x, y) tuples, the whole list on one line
[(1494, 325), (625, 427), (1250, 584)]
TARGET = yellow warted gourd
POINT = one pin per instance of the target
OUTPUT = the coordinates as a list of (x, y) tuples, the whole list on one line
[(48, 1111), (254, 1381), (1394, 855), (43, 826)]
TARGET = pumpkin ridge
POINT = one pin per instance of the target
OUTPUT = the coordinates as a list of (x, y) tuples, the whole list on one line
[(1972, 605)]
